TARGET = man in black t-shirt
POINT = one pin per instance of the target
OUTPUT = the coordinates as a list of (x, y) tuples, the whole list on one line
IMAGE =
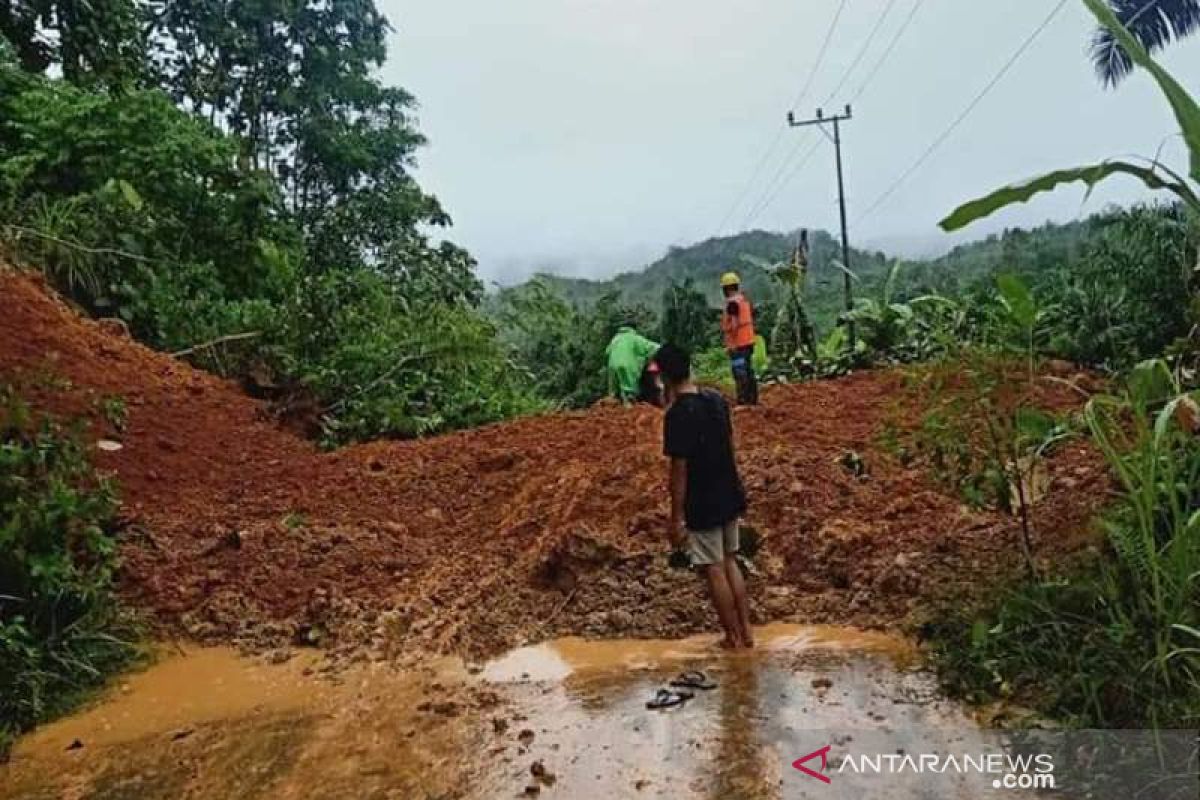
[(707, 497)]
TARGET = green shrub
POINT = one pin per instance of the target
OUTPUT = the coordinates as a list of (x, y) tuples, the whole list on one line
[(384, 367), (711, 367), (1118, 644), (687, 319), (109, 224), (61, 630), (1130, 294)]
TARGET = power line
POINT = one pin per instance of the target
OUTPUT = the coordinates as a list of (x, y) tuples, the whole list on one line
[(800, 98), (862, 52), (768, 200), (966, 112), (904, 26), (803, 94), (745, 192), (784, 176)]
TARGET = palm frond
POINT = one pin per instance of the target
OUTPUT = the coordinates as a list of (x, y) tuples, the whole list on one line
[(1155, 26)]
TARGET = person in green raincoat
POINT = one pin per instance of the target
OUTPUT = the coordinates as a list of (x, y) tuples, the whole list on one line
[(631, 374)]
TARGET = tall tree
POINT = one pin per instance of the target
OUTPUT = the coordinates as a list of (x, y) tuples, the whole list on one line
[(1154, 23), (295, 80), (93, 42)]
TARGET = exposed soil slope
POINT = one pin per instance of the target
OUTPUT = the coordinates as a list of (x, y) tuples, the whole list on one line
[(486, 538)]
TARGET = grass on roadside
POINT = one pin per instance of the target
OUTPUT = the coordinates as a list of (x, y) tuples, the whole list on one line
[(1117, 645)]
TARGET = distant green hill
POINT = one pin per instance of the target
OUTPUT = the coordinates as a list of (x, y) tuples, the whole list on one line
[(705, 262), (1029, 252)]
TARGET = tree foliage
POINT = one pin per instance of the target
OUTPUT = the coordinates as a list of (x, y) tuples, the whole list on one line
[(293, 81), (687, 319), (563, 345), (1127, 298), (93, 42), (112, 220), (250, 178)]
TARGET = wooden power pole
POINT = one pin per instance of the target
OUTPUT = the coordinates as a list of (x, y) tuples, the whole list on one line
[(837, 120)]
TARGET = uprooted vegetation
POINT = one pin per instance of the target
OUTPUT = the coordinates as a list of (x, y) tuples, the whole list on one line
[(235, 530)]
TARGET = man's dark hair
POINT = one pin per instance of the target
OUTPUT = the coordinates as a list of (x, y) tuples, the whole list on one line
[(674, 363)]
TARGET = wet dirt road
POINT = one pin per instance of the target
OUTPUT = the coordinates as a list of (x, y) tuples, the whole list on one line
[(562, 719)]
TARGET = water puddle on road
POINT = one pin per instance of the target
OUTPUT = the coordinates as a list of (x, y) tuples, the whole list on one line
[(561, 719)]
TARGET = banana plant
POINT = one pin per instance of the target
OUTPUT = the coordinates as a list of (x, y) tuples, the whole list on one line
[(1152, 172), (792, 329), (889, 328), (1022, 314)]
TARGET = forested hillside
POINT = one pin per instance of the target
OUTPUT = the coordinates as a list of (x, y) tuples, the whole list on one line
[(704, 262), (1077, 263), (1036, 252)]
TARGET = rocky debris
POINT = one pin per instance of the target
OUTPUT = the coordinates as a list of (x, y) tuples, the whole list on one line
[(542, 775), (444, 708)]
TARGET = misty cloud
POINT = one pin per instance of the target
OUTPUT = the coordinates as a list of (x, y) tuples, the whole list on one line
[(586, 136)]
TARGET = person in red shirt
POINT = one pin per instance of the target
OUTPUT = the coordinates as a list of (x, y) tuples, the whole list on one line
[(737, 325)]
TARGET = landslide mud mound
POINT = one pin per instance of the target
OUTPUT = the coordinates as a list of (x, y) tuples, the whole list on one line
[(476, 541)]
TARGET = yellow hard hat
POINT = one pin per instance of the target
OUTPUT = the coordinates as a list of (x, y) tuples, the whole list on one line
[(730, 279)]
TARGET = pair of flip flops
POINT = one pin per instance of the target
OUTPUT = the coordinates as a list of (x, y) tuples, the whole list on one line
[(694, 679), (667, 698), (679, 694)]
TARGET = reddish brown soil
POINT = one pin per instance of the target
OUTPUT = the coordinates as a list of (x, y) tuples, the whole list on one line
[(478, 540)]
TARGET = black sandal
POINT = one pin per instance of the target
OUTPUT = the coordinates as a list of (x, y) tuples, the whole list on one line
[(694, 679), (665, 698)]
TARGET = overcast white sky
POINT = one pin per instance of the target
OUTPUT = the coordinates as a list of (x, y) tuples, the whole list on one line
[(585, 136)]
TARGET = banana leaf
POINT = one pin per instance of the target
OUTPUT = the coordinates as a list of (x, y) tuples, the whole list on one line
[(1090, 175)]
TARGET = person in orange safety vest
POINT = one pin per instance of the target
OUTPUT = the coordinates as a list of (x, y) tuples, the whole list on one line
[(737, 324)]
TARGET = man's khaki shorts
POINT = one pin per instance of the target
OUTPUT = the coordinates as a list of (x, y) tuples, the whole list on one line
[(712, 545)]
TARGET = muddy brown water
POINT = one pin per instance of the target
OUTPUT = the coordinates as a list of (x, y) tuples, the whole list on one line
[(207, 723)]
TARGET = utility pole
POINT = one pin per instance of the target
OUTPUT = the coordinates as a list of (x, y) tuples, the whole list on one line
[(820, 121)]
